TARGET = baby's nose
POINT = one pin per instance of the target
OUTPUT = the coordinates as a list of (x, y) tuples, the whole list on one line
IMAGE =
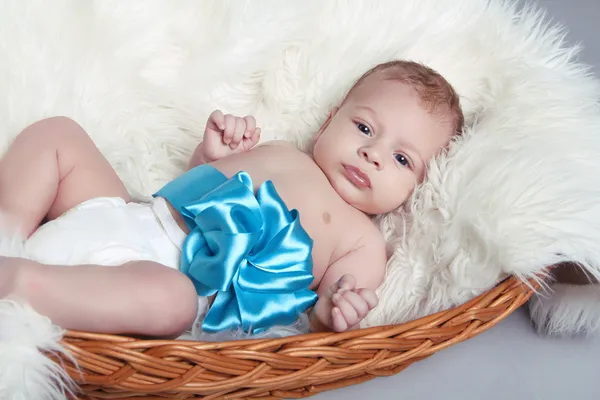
[(371, 156)]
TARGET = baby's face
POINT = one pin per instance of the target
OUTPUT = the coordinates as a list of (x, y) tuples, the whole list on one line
[(375, 148)]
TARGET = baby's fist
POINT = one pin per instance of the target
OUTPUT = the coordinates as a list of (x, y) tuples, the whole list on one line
[(343, 306), (227, 134)]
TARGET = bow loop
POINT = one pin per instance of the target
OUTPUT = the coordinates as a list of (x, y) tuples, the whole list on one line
[(248, 249)]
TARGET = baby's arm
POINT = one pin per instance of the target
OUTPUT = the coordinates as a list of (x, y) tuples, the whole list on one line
[(347, 290), (225, 135)]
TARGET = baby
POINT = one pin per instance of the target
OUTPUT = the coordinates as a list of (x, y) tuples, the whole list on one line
[(204, 233)]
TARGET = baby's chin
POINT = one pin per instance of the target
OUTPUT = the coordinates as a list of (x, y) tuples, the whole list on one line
[(358, 200)]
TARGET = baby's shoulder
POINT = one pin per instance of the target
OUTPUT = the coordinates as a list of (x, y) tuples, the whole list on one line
[(280, 143), (363, 255), (359, 231), (370, 235), (279, 147), (283, 153)]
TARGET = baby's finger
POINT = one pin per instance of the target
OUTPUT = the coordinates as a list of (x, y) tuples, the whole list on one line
[(347, 282), (358, 303), (229, 130), (349, 313), (369, 296), (218, 119), (238, 135), (250, 125), (252, 140), (337, 320), (333, 289)]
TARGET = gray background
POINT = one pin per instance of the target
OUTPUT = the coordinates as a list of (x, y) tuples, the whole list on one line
[(510, 361)]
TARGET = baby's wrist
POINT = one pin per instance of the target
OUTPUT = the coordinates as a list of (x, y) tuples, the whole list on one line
[(205, 155), (205, 158), (199, 157), (316, 323)]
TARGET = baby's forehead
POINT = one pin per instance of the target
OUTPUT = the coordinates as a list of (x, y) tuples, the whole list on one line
[(386, 96), (374, 81), (381, 88), (394, 95), (394, 101)]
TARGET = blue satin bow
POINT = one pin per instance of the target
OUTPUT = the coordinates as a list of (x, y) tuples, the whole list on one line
[(248, 249)]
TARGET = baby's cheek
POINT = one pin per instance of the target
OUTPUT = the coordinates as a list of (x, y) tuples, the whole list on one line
[(404, 187), (393, 197)]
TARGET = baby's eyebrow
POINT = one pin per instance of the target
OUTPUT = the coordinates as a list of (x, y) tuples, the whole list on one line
[(369, 110), (372, 115)]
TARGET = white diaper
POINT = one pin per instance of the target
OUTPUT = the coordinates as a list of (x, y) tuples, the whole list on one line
[(109, 231)]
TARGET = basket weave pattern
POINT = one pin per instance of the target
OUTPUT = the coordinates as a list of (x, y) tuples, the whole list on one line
[(116, 367)]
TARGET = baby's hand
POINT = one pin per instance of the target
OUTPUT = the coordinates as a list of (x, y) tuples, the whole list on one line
[(344, 306), (226, 135)]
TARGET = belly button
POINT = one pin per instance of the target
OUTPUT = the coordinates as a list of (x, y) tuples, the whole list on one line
[(326, 217)]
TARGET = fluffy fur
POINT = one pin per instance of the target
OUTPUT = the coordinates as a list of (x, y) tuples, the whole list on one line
[(518, 192), (567, 310), (26, 373)]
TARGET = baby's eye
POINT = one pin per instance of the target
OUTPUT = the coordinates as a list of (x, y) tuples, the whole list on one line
[(363, 128), (402, 160)]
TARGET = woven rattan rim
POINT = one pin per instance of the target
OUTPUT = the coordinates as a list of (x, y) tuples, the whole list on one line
[(116, 367)]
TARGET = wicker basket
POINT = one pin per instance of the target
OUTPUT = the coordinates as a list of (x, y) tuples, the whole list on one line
[(116, 367)]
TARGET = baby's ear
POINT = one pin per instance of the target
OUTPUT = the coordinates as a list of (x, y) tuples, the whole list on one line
[(332, 113)]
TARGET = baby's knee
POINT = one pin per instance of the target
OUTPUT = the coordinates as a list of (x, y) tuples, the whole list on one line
[(181, 305), (53, 130), (172, 302)]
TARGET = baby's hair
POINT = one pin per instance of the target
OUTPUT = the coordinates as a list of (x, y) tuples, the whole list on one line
[(437, 96)]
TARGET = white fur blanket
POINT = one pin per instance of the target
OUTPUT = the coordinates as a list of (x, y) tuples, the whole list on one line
[(520, 191)]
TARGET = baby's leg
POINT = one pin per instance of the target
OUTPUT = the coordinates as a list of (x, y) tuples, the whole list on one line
[(51, 167), (140, 297)]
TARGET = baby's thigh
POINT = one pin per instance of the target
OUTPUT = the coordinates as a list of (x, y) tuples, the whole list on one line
[(85, 172), (101, 231)]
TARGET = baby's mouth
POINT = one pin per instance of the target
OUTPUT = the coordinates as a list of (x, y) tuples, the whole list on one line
[(357, 177)]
